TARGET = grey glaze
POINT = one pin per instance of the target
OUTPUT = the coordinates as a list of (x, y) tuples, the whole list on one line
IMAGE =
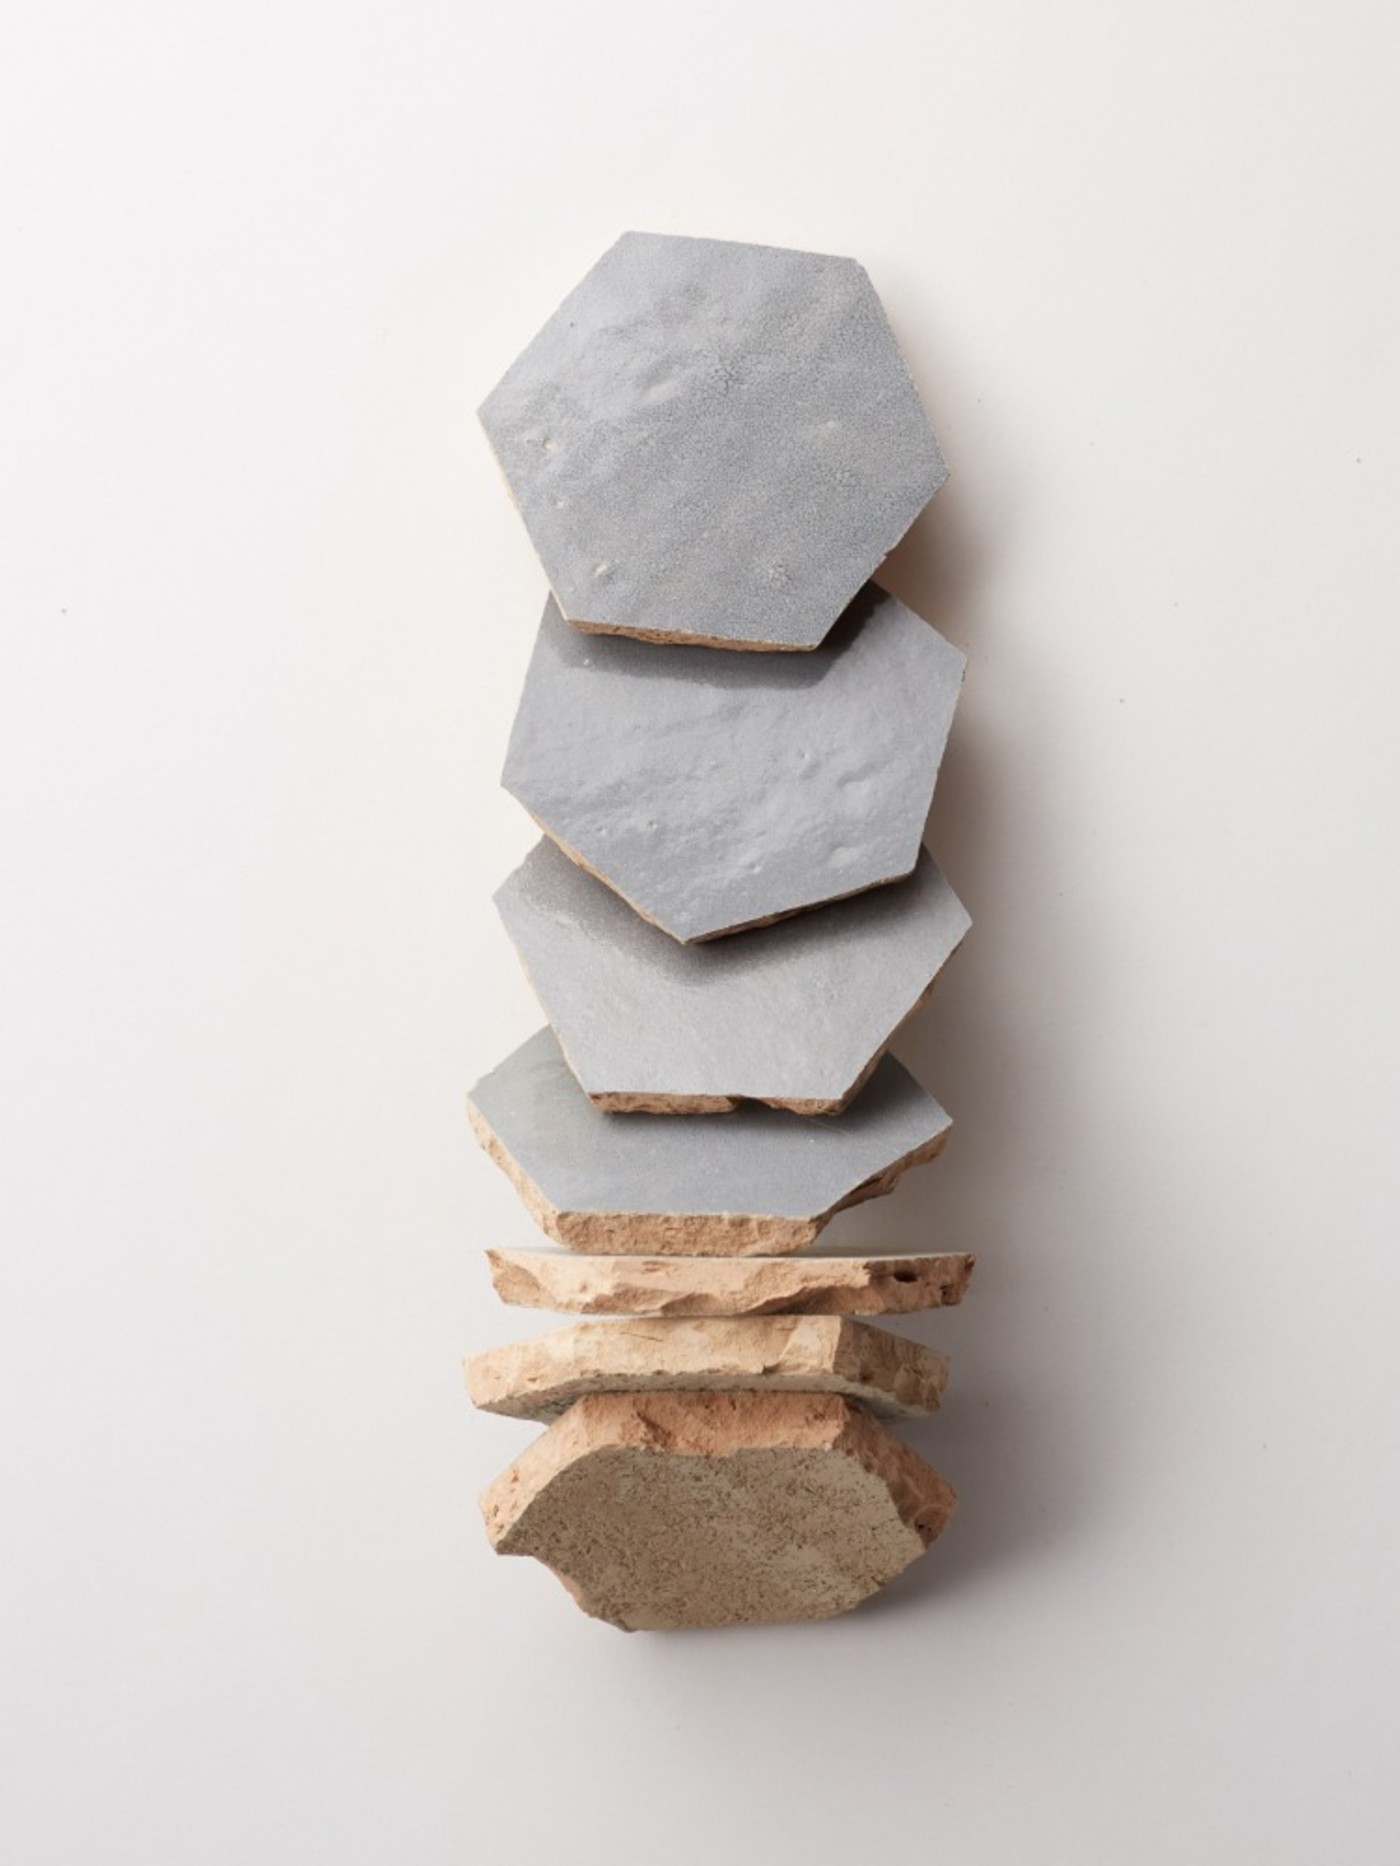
[(716, 791), (759, 1161), (712, 441), (784, 1014)]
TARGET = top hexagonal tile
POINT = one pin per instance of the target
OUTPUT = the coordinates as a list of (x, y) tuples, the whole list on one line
[(713, 443), (719, 791)]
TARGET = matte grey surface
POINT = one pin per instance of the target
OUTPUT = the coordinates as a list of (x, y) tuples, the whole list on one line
[(784, 1014), (713, 441), (716, 791), (758, 1161)]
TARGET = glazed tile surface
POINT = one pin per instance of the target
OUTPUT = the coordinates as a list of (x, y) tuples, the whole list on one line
[(756, 1180), (791, 1014), (714, 442), (715, 792)]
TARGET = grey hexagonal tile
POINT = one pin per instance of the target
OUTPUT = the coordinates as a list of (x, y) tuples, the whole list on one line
[(717, 792), (794, 1015), (713, 442), (742, 1184)]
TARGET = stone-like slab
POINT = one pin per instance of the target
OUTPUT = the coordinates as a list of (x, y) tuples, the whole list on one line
[(745, 1184), (794, 1015), (668, 1286), (713, 442), (715, 792), (717, 1509), (894, 1377)]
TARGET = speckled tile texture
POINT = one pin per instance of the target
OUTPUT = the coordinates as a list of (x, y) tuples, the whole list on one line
[(714, 442), (717, 1509), (793, 1015), (715, 792), (754, 1182)]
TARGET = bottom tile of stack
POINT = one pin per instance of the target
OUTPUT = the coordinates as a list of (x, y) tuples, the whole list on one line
[(687, 1508), (718, 1465)]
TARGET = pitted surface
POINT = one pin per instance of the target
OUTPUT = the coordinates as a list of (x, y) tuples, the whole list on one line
[(715, 792), (714, 442)]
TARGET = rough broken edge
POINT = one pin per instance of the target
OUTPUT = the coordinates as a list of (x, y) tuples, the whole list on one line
[(539, 1378), (932, 1281), (685, 1423), (687, 1234)]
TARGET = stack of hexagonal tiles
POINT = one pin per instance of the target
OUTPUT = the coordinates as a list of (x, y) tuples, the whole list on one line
[(713, 446)]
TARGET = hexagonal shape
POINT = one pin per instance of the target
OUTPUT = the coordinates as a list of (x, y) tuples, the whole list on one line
[(744, 1184), (713, 442), (717, 792), (794, 1015), (717, 1509)]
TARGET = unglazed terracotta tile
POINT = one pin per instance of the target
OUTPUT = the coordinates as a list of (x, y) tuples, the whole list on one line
[(745, 1184), (795, 1015), (715, 792), (667, 1286), (713, 442), (894, 1377), (717, 1509)]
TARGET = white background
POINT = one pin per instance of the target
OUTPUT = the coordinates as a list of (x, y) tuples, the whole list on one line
[(266, 610)]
